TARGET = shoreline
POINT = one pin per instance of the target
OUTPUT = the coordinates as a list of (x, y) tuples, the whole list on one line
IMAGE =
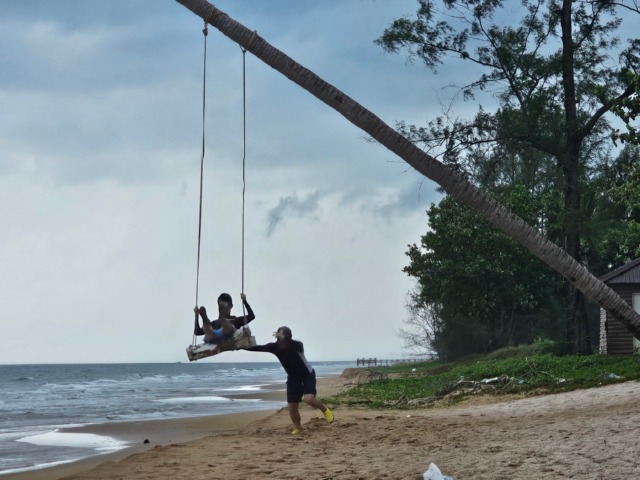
[(590, 433), (167, 432)]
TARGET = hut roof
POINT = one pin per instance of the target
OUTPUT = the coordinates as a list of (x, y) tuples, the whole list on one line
[(629, 273)]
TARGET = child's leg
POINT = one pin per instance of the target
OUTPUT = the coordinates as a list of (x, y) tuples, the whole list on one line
[(227, 327), (209, 332)]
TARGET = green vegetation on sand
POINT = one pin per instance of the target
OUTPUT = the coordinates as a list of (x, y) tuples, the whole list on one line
[(422, 384)]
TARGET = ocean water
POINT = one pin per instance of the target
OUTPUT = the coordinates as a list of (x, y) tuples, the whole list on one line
[(36, 401)]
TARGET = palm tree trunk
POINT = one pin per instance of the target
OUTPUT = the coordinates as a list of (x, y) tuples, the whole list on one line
[(453, 183)]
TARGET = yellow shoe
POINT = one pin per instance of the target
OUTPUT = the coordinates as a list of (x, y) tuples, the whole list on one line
[(296, 431), (328, 415)]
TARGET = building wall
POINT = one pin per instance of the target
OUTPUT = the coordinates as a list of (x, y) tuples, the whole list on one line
[(617, 339)]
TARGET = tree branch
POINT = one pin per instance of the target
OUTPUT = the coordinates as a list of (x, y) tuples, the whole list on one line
[(588, 126)]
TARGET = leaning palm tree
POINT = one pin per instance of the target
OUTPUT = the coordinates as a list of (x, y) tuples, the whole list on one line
[(452, 182)]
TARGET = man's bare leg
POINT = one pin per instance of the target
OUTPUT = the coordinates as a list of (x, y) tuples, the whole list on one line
[(311, 400), (294, 414)]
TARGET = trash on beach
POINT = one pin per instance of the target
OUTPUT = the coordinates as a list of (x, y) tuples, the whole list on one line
[(489, 380), (502, 378), (434, 473)]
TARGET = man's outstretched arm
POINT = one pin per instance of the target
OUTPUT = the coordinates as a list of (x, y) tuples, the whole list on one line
[(267, 347)]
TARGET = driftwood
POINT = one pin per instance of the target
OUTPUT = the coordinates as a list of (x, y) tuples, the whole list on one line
[(456, 389)]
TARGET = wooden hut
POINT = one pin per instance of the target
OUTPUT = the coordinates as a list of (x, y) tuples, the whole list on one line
[(615, 339)]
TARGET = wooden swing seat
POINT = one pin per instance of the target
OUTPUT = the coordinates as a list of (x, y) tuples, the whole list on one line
[(242, 338)]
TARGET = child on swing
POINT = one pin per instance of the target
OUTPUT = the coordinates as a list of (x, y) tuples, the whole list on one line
[(226, 324)]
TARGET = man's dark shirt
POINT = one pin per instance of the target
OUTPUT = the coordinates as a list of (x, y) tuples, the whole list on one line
[(291, 356)]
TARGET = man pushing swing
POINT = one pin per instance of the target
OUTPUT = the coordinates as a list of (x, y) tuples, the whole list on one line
[(301, 377)]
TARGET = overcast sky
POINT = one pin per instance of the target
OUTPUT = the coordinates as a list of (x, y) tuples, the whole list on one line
[(100, 137)]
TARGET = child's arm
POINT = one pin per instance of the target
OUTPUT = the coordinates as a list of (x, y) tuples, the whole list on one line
[(240, 321)]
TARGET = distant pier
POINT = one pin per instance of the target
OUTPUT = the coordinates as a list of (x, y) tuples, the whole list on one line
[(368, 362)]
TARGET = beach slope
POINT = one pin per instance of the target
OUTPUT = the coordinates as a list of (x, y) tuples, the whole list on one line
[(584, 434)]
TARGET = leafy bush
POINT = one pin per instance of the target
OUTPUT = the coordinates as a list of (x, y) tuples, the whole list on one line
[(419, 384)]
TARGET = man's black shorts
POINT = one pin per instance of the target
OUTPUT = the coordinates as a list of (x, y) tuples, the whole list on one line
[(297, 388)]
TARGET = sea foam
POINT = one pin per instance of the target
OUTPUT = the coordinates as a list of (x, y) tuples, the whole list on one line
[(55, 438)]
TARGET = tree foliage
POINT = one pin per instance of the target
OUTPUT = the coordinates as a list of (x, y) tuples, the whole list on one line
[(486, 290), (477, 290), (613, 202), (561, 78)]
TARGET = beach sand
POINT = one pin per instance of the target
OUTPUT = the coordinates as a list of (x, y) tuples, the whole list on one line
[(585, 434)]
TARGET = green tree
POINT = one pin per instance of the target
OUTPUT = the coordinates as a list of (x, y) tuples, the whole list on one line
[(614, 203), (552, 76), (479, 280)]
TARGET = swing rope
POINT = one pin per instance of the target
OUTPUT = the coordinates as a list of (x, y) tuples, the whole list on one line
[(205, 31), (244, 157)]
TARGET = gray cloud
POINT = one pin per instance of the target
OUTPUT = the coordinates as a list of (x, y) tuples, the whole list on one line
[(117, 95), (387, 203), (68, 48), (413, 197), (292, 206)]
